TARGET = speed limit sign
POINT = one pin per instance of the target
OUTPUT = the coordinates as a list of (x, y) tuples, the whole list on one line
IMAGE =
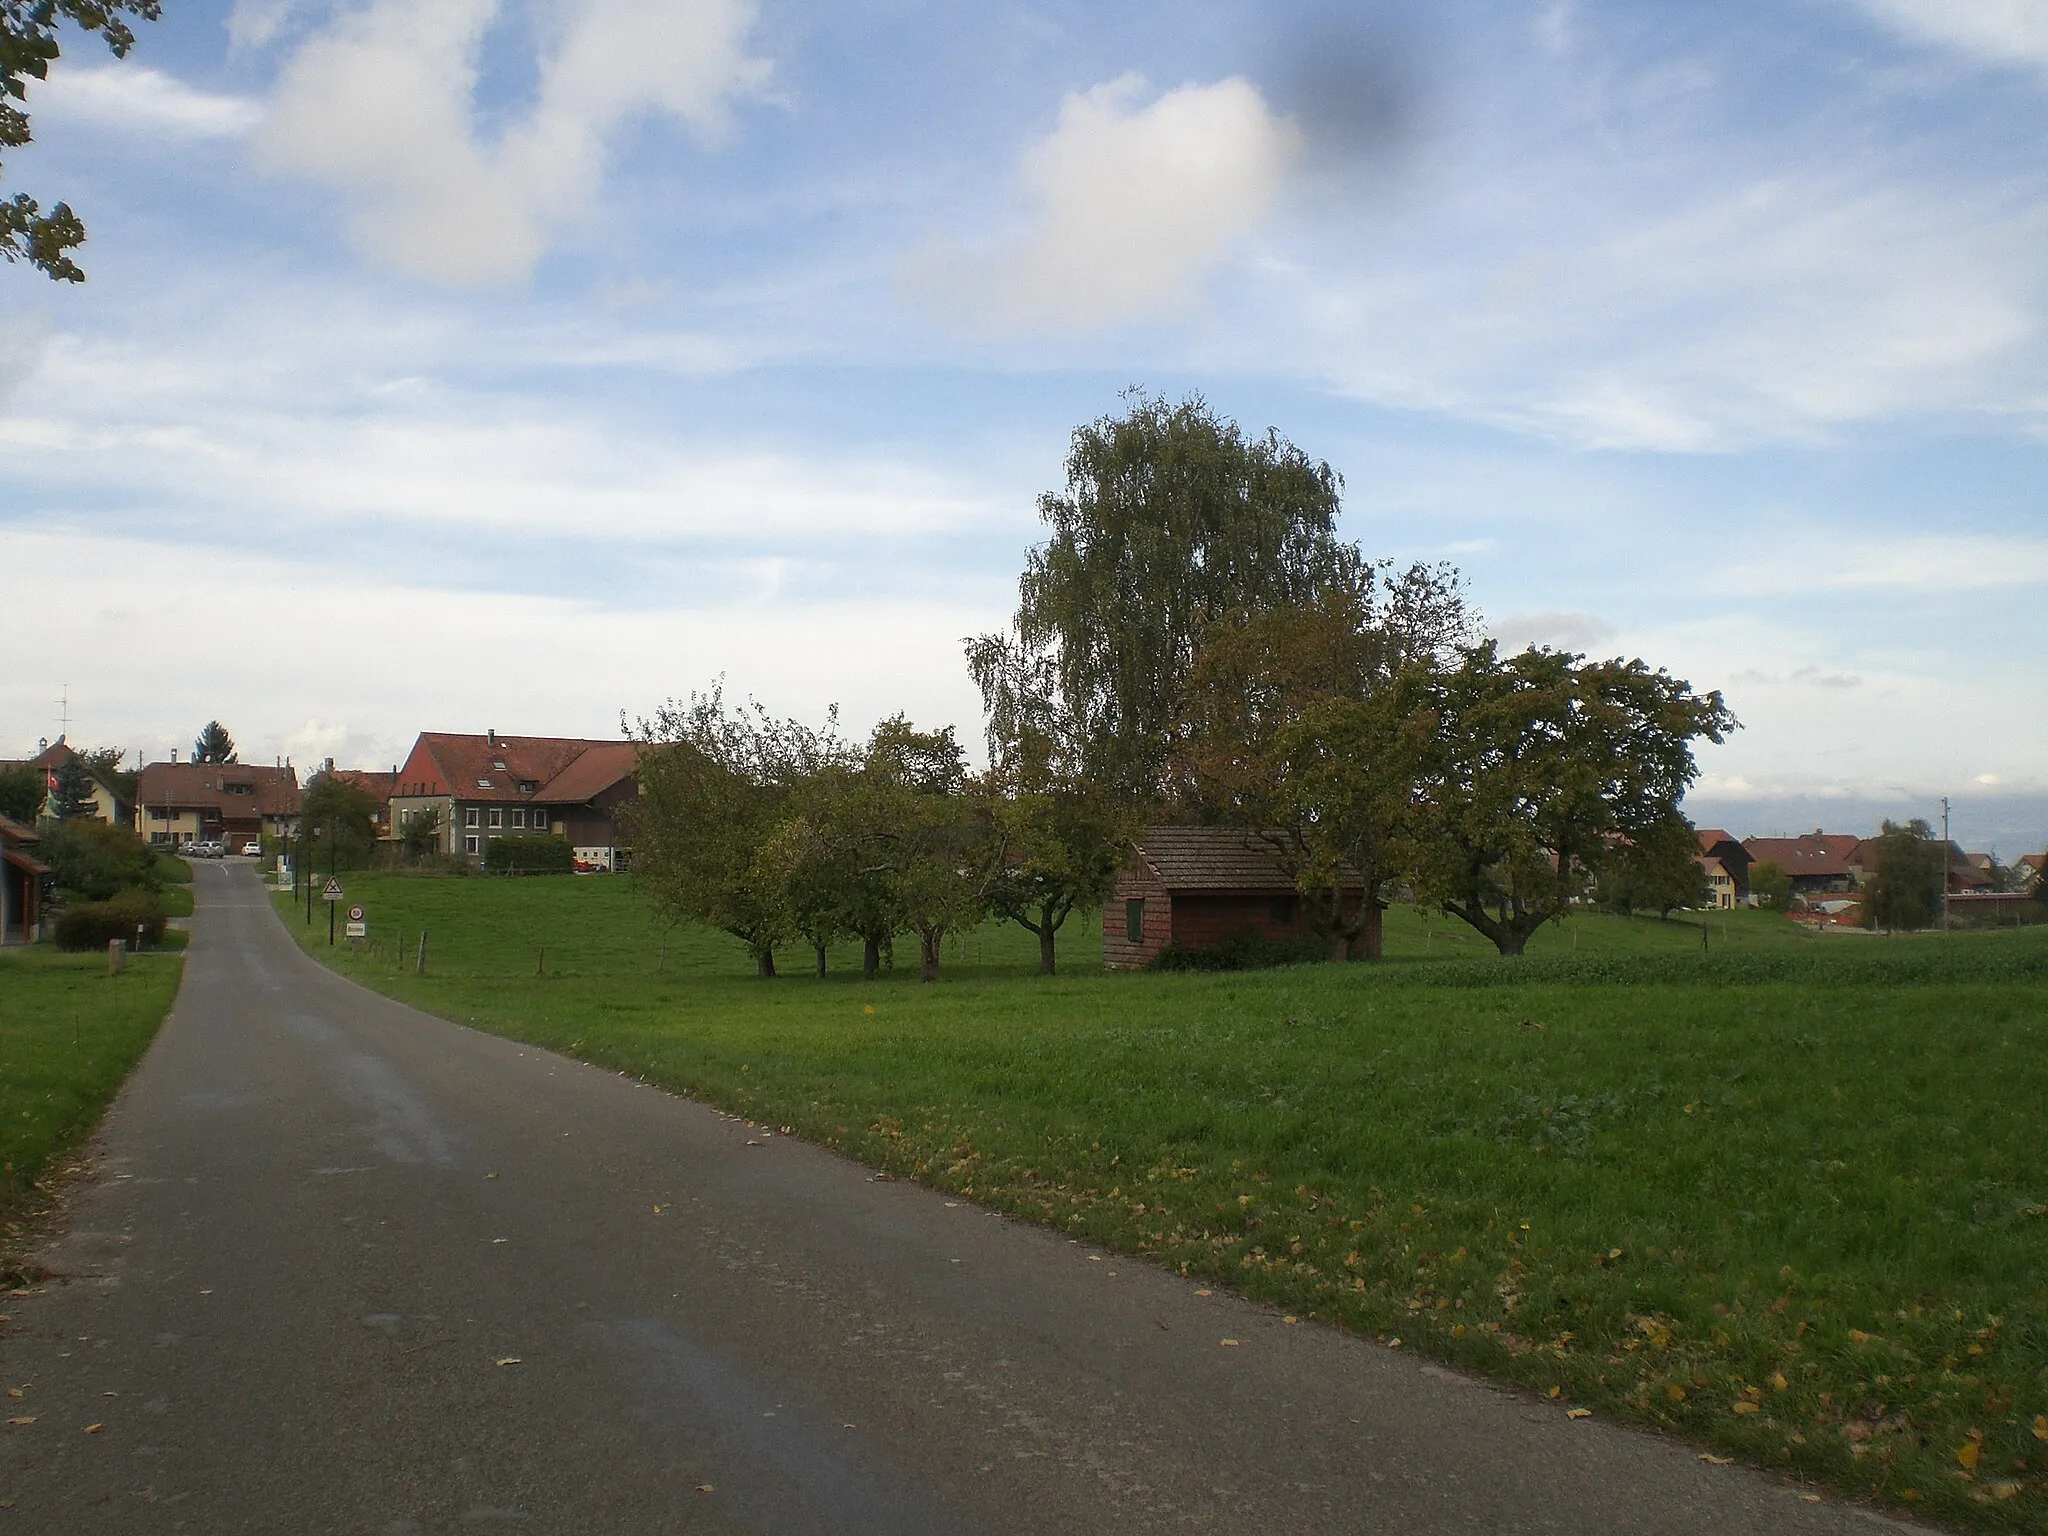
[(355, 914)]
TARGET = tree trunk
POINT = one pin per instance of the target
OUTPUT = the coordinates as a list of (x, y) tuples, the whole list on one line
[(1372, 938), (870, 958), (1340, 946), (821, 958), (928, 940), (764, 961), (1047, 934)]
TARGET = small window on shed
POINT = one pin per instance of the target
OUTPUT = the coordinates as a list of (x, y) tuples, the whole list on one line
[(1134, 920)]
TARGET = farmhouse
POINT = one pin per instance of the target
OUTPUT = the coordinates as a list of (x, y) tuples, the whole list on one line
[(1817, 863), (22, 878), (107, 804), (1725, 863), (1198, 886), (232, 803), (481, 787)]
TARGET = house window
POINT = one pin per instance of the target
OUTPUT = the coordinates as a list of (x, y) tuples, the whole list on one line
[(469, 843), (540, 819), (1134, 920), (469, 820), (497, 817), (518, 820)]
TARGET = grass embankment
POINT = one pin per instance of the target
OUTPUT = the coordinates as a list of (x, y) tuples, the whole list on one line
[(175, 888), (1788, 1198), (69, 1033)]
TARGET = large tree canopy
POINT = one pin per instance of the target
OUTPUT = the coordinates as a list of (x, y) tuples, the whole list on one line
[(28, 46), (1171, 518)]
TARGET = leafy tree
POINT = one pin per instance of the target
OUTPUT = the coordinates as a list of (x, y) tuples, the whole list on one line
[(1170, 518), (1771, 886), (420, 837), (941, 844), (1061, 846), (71, 792), (1538, 761), (1908, 873), (92, 860), (714, 786), (337, 824), (1656, 870), (105, 763), (28, 46), (23, 788), (214, 745)]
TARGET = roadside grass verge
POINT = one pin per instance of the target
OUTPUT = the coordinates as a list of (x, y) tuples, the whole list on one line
[(69, 1035), (1788, 1198)]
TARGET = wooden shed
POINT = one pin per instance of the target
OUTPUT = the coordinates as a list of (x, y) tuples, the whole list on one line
[(1196, 886)]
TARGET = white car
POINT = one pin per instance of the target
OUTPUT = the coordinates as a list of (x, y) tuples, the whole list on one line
[(252, 850)]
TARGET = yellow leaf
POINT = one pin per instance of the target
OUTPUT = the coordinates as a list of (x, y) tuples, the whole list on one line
[(1557, 1391), (2041, 1426), (1742, 1407), (1205, 1293), (95, 1429), (1230, 1343), (1778, 1381), (707, 1487), (1719, 1461), (508, 1360), (1968, 1454), (1858, 1336), (22, 1422), (1677, 1393), (1578, 1413)]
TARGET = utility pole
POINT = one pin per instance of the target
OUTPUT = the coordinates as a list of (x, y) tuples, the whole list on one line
[(1944, 863)]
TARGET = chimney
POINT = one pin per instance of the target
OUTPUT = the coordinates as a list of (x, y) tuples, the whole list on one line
[(174, 754), (490, 736)]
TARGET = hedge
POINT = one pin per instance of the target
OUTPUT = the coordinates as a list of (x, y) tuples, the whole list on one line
[(529, 856), (95, 924)]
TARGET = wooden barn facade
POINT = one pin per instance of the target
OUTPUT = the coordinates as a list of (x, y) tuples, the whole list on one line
[(1197, 886)]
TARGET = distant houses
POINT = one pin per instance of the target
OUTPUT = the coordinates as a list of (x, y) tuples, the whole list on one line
[(107, 802), (488, 786), (1725, 863), (230, 803)]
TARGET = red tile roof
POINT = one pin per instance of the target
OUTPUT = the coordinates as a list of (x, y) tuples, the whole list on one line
[(563, 770), (189, 786), (1212, 859), (1815, 854)]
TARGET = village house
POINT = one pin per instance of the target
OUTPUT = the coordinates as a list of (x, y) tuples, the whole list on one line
[(230, 803), (1198, 886), (1725, 863), (482, 787), (107, 802), (1817, 863), (22, 879)]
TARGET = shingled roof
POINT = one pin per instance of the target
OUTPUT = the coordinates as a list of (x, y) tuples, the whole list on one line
[(560, 770), (1212, 859)]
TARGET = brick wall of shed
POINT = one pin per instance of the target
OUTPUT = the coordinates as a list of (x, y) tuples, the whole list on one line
[(1118, 952), (1204, 918)]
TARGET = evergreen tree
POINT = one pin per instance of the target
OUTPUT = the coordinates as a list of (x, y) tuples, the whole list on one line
[(214, 745), (71, 794)]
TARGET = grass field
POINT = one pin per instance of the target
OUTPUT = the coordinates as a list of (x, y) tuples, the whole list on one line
[(1787, 1197), (69, 1033)]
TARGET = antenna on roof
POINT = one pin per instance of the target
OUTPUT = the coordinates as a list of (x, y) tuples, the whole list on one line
[(64, 714)]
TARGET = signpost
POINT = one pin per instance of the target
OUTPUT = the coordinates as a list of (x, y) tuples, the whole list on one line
[(357, 928), (331, 894)]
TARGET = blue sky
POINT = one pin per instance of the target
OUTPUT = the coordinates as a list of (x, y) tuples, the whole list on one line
[(464, 363)]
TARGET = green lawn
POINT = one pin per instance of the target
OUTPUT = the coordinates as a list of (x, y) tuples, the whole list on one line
[(1787, 1197), (69, 1033)]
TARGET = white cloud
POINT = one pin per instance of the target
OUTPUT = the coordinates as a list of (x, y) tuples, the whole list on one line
[(1135, 206), (1995, 31), (1559, 631), (381, 106), (253, 23), (1947, 563), (389, 651), (138, 100)]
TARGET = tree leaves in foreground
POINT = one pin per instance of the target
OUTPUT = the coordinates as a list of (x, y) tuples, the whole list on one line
[(28, 46)]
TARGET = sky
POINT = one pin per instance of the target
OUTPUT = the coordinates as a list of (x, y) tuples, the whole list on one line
[(452, 364)]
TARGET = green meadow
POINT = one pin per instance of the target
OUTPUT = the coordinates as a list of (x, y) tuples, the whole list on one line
[(1785, 1195), (69, 1034)]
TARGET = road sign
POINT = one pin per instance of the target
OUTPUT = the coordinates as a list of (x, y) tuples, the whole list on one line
[(355, 914), (332, 890), (357, 929)]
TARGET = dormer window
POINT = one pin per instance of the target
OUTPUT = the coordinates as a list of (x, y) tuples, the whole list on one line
[(498, 764), (526, 786), (483, 783)]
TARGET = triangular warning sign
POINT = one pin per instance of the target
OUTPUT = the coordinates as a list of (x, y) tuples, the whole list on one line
[(332, 890)]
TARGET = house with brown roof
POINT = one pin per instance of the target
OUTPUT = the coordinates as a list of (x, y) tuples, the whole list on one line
[(22, 881), (481, 787), (378, 786), (108, 805), (231, 803), (1725, 863), (1817, 863), (1198, 886)]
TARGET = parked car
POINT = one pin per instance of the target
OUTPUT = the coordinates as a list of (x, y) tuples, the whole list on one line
[(252, 849)]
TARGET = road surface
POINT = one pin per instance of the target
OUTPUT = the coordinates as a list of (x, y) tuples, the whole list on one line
[(349, 1268)]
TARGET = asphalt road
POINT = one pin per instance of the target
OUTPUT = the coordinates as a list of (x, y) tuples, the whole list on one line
[(350, 1268)]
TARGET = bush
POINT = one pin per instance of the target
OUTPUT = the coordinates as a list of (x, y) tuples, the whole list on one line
[(1247, 951), (95, 924), (97, 860), (529, 856)]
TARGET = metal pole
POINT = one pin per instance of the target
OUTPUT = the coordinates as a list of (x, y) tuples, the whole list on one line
[(1944, 863)]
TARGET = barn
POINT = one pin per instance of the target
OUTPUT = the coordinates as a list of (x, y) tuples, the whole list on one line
[(1197, 886)]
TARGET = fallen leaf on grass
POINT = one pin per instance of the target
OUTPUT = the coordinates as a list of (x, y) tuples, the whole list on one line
[(1858, 1336), (1717, 1461), (1744, 1407), (95, 1429), (1810, 1498), (1230, 1343), (1968, 1454), (2040, 1425), (17, 1392), (1205, 1293), (23, 1422), (1578, 1413), (508, 1360)]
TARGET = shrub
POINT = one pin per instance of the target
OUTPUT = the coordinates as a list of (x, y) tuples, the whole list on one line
[(95, 859), (529, 856), (1247, 951), (95, 924)]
